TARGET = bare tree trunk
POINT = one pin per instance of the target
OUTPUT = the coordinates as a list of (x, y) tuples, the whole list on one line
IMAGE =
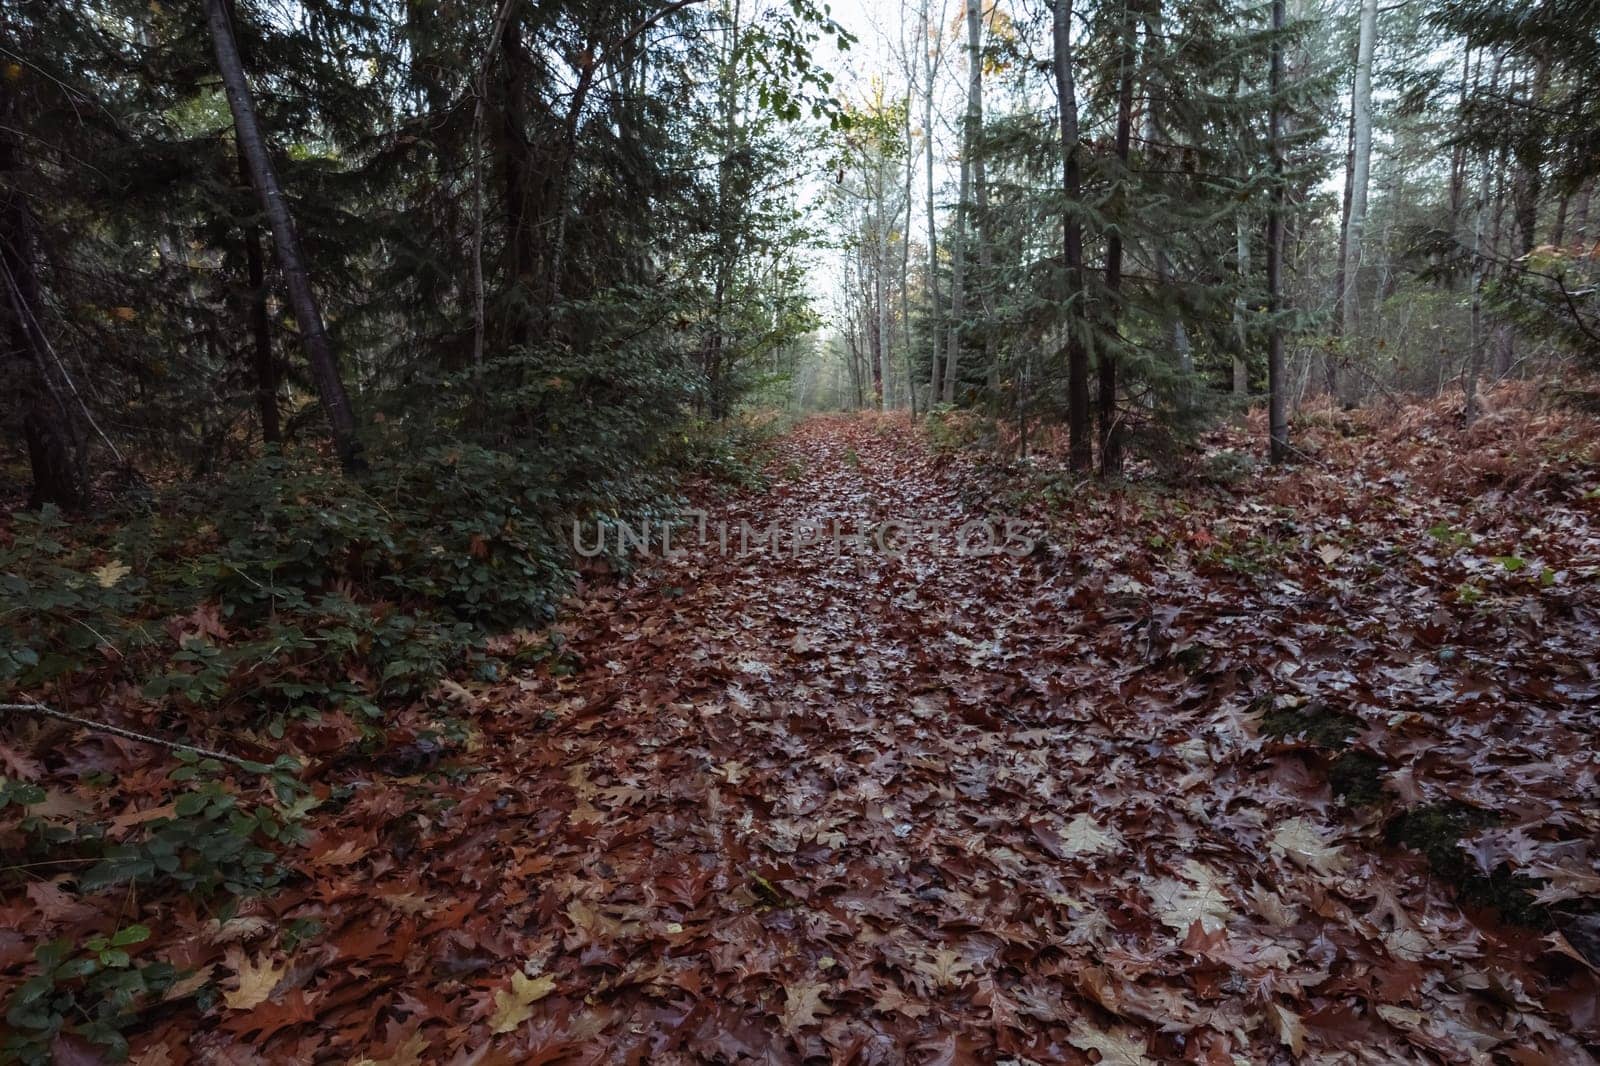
[(291, 259), (1478, 340), (983, 282), (931, 56), (1341, 283), (262, 363), (1155, 142), (1361, 116), (1526, 189), (1241, 329), (958, 308), (1277, 386), (1080, 449), (880, 294), (1458, 151), (50, 429), (1580, 220), (1502, 332), (1110, 431), (905, 260), (1558, 229)]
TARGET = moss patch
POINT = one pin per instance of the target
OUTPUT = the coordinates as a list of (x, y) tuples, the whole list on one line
[(1436, 830), (1357, 778), (1315, 722)]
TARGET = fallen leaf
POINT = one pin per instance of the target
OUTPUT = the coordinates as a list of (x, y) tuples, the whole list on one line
[(1291, 1030), (514, 1006), (256, 979), (802, 1003), (1302, 843), (108, 575), (1118, 1047)]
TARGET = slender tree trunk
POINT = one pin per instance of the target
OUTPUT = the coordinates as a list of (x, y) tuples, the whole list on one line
[(983, 282), (1479, 274), (1341, 282), (1241, 329), (930, 65), (730, 141), (905, 259), (1580, 221), (958, 296), (880, 293), (516, 178), (291, 259), (1496, 248), (262, 363), (1558, 229), (1155, 144), (1361, 116), (49, 423), (1526, 189), (1080, 447), (1110, 432), (1478, 339), (1277, 386), (1386, 273), (1458, 152)]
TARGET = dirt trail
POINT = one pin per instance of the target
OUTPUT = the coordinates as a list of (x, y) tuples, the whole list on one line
[(818, 805)]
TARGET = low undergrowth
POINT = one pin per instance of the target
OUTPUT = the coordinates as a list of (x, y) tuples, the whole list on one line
[(292, 618)]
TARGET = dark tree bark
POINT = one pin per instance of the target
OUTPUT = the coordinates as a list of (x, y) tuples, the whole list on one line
[(1330, 363), (1080, 446), (517, 177), (49, 423), (291, 258), (973, 134), (262, 363), (1277, 415), (1110, 432)]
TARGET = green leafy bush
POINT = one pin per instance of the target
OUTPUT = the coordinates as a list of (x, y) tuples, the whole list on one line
[(93, 989)]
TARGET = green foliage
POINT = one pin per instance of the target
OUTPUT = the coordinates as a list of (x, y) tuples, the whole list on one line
[(214, 845), (93, 989), (950, 429), (1437, 831), (733, 452), (211, 843)]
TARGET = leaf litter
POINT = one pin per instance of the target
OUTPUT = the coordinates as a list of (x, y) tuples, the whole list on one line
[(805, 806)]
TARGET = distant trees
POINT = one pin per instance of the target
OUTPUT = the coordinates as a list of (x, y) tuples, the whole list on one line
[(1148, 172), (521, 214), (1135, 196)]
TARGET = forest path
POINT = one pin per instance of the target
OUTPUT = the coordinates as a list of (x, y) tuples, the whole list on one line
[(802, 804)]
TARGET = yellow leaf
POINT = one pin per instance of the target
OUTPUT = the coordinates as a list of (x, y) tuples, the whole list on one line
[(1119, 1047), (1291, 1031), (410, 1053), (1180, 906), (802, 1003), (111, 573), (257, 979), (1301, 842), (514, 1006), (1083, 836)]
